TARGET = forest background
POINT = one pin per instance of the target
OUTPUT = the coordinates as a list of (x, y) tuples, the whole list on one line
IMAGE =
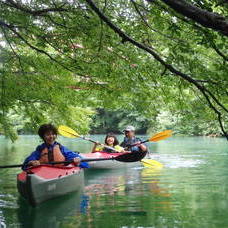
[(98, 66)]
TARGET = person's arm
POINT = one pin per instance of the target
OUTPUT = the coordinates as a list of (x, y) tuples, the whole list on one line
[(119, 148), (138, 145), (32, 159), (95, 147), (70, 155), (143, 147)]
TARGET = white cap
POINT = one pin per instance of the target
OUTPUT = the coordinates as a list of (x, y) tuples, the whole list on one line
[(129, 128)]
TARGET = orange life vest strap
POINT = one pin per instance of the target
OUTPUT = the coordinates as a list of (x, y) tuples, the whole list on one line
[(57, 155)]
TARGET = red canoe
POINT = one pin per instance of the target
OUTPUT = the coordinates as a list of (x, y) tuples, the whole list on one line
[(44, 182), (108, 164)]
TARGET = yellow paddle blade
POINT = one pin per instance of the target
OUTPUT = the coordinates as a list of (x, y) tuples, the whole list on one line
[(67, 132), (152, 163), (162, 135)]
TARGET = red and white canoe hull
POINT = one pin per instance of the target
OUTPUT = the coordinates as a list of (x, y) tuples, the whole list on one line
[(44, 182), (108, 164)]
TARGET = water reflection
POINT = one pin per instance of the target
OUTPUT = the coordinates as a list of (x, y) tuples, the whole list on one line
[(122, 193), (53, 212), (110, 182), (151, 177), (112, 194)]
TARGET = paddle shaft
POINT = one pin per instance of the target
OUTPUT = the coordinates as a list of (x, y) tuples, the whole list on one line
[(137, 144), (11, 166), (66, 131), (83, 160), (108, 147), (157, 137), (87, 139), (62, 162)]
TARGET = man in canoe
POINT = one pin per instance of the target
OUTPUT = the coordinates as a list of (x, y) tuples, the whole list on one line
[(131, 139), (50, 150)]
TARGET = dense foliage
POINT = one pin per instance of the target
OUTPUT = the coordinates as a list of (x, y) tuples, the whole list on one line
[(61, 60), (188, 123)]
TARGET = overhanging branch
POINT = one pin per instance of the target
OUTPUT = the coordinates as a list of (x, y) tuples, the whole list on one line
[(205, 18), (207, 94), (11, 28), (40, 12)]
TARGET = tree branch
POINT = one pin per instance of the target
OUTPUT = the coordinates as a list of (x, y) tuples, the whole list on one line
[(11, 47), (34, 12), (126, 38), (207, 19), (218, 51), (154, 30), (11, 28)]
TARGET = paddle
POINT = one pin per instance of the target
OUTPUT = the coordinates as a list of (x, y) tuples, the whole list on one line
[(151, 163), (157, 137), (125, 157), (70, 133)]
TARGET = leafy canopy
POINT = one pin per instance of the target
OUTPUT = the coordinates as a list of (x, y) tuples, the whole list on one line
[(62, 59)]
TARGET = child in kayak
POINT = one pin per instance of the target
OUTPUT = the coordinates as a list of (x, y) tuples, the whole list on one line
[(50, 150), (110, 141)]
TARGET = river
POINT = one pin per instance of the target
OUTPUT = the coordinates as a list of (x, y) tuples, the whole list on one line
[(190, 191)]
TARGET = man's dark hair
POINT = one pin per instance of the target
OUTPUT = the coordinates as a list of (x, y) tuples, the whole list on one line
[(46, 128), (116, 142)]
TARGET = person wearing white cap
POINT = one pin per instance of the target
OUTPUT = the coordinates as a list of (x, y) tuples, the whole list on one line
[(130, 139)]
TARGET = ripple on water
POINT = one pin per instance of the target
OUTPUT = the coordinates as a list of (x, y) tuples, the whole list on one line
[(180, 161), (8, 201), (2, 221)]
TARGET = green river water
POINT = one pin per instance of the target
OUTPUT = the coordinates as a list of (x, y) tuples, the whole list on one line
[(190, 191)]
